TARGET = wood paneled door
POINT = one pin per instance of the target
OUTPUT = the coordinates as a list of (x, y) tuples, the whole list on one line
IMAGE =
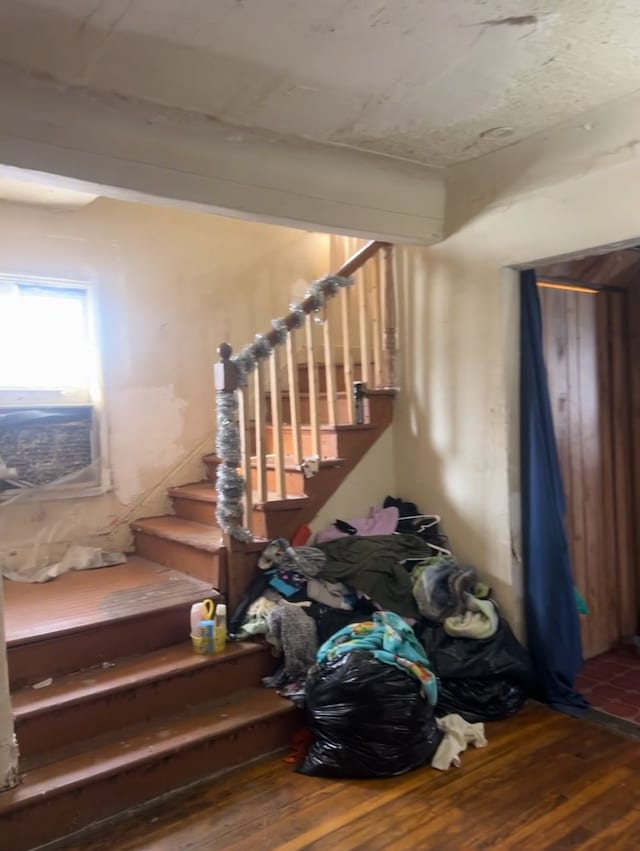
[(586, 349)]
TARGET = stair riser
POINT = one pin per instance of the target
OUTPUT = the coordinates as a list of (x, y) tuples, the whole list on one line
[(58, 655), (303, 377), (200, 564), (211, 468), (328, 442), (195, 510), (265, 523), (77, 722), (294, 481), (67, 811), (304, 415)]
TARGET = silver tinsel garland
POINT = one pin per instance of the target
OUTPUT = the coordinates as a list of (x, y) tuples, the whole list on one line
[(247, 359), (229, 483)]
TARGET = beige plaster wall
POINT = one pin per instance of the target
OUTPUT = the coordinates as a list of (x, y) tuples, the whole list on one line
[(169, 286), (366, 486), (456, 426)]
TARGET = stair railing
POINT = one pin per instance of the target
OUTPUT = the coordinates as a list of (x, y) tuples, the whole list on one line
[(347, 333)]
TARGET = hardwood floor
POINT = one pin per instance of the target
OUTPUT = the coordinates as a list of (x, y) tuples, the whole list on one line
[(546, 781)]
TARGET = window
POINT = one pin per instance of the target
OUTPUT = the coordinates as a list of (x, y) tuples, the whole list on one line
[(49, 429), (46, 350)]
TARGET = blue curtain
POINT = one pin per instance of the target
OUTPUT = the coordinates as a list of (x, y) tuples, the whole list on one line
[(553, 628)]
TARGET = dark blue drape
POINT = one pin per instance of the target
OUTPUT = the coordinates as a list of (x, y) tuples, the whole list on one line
[(553, 628)]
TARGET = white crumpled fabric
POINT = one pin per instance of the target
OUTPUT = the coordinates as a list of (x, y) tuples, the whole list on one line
[(77, 557), (458, 734)]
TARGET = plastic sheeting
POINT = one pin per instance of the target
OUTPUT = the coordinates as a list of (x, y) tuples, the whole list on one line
[(76, 557)]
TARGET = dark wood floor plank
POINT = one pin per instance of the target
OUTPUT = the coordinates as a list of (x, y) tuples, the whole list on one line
[(545, 781)]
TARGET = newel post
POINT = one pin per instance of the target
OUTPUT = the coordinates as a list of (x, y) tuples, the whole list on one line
[(230, 485)]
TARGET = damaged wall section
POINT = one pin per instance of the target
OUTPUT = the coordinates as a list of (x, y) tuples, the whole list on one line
[(169, 286)]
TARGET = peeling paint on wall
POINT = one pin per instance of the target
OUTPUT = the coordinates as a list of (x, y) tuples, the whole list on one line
[(155, 432), (170, 286)]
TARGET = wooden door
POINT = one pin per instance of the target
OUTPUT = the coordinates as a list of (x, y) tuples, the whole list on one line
[(586, 353)]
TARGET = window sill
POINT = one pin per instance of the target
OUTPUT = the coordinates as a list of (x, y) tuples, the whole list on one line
[(52, 492)]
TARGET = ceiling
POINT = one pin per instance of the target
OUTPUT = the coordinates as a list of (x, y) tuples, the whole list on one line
[(416, 79)]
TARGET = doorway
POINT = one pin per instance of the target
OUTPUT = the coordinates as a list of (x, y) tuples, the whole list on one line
[(591, 312)]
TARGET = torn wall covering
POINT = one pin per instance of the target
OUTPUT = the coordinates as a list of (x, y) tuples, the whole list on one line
[(168, 287)]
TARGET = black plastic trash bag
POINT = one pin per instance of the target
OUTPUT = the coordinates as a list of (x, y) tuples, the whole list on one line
[(369, 720), (456, 658), (480, 700), (484, 679)]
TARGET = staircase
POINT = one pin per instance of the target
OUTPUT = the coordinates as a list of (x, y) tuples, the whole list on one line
[(132, 713), (154, 716)]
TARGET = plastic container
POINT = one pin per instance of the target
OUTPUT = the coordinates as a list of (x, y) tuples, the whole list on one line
[(220, 628), (199, 612), (207, 636), (199, 643), (359, 392)]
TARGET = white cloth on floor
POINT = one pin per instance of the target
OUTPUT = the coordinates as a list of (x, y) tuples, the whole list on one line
[(458, 734)]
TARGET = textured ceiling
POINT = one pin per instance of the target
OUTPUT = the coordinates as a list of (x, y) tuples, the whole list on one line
[(419, 79)]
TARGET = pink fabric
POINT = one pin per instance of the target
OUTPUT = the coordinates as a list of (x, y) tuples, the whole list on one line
[(379, 521)]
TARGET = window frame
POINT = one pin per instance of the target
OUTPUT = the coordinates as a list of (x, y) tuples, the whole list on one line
[(52, 399)]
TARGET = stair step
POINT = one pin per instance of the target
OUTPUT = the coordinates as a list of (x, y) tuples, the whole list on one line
[(86, 704), (206, 492), (182, 531), (294, 479), (192, 548), (138, 764), (342, 407), (89, 617), (331, 439), (303, 376), (200, 491), (197, 502)]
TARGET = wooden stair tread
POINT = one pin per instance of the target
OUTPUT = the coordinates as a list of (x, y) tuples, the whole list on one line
[(211, 458), (198, 535), (133, 671), (146, 743), (336, 428), (291, 467), (343, 427), (86, 598), (206, 492), (201, 491), (340, 394)]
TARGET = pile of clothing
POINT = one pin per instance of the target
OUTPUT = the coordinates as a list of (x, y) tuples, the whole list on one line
[(380, 604)]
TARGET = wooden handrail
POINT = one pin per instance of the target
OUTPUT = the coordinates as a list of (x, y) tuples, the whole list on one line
[(234, 434), (360, 257), (345, 271)]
